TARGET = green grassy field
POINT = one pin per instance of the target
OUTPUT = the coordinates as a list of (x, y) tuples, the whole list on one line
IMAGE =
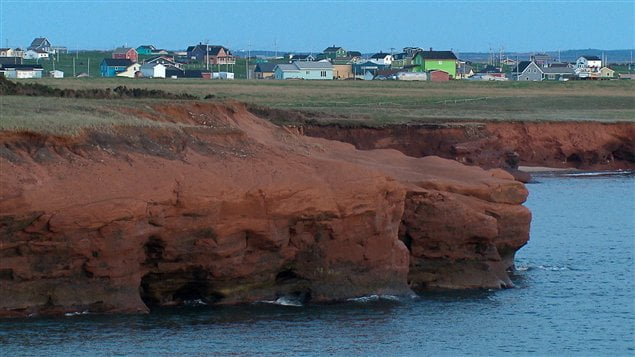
[(389, 102), (68, 116)]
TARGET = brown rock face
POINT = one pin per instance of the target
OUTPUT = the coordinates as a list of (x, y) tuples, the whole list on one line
[(232, 209), (581, 145)]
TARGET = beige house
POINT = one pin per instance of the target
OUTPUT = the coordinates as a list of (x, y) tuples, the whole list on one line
[(131, 71), (606, 72), (7, 52), (342, 71)]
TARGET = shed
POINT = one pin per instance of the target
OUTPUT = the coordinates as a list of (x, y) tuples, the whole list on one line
[(439, 76), (56, 74), (607, 73), (264, 70), (153, 70)]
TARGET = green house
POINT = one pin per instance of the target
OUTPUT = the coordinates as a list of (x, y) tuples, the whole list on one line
[(334, 52), (146, 49), (424, 61)]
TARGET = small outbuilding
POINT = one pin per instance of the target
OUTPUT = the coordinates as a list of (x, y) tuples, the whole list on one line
[(153, 70), (264, 70), (607, 73), (439, 76), (56, 74)]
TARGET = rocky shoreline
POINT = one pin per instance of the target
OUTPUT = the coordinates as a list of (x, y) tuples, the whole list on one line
[(233, 209)]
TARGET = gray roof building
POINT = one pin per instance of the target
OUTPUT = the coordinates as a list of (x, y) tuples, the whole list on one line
[(303, 65)]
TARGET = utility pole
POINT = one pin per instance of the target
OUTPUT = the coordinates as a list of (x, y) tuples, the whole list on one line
[(88, 66), (74, 74), (207, 56), (247, 72)]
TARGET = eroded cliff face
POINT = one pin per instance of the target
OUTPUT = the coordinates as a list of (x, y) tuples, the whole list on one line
[(229, 208), (579, 145)]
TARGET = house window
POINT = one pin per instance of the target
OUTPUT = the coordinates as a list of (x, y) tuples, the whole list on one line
[(307, 73)]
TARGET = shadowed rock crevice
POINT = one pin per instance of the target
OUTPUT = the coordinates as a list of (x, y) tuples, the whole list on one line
[(178, 288)]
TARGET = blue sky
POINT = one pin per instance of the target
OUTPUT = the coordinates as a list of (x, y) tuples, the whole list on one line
[(464, 26)]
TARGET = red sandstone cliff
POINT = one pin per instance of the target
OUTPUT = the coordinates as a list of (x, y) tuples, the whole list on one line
[(232, 209), (580, 145)]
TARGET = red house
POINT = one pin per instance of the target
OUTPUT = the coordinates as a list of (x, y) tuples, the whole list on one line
[(439, 76), (126, 53)]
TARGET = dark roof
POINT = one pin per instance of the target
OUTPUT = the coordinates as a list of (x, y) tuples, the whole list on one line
[(592, 58), (160, 59), (302, 56), (117, 62), (22, 66), (379, 55), (149, 47), (354, 54), (39, 41), (265, 67), (491, 69), (558, 70), (332, 49), (123, 50), (436, 54), (184, 74), (212, 49), (522, 65)]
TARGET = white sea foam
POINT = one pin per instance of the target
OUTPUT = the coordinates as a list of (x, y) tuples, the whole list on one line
[(600, 173), (552, 268), (284, 301), (76, 313), (373, 298), (195, 302)]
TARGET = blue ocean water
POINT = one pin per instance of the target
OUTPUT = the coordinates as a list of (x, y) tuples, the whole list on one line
[(575, 295)]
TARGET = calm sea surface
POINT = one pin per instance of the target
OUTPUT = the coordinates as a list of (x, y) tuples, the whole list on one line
[(575, 295)]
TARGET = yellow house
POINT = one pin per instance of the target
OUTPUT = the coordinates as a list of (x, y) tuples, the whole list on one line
[(342, 71), (606, 72)]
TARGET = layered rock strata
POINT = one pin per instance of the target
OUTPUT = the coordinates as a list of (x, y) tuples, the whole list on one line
[(227, 208), (576, 145)]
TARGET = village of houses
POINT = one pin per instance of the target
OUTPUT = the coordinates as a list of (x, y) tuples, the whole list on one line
[(333, 63)]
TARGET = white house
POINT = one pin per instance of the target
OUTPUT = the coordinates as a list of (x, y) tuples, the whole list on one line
[(56, 74), (35, 54), (21, 71), (130, 71), (382, 58), (153, 70), (590, 63)]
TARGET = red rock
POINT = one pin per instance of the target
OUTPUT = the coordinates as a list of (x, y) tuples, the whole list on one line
[(240, 211)]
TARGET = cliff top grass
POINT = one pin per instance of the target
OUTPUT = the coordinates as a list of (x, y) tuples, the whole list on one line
[(367, 103)]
